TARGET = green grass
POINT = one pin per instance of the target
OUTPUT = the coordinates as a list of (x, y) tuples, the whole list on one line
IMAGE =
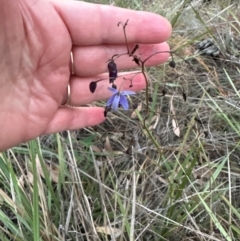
[(127, 179)]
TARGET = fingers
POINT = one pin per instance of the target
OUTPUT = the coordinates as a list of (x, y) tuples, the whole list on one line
[(81, 95), (91, 60), (101, 28), (70, 118)]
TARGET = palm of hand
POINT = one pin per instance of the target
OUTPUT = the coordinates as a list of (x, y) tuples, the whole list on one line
[(39, 74)]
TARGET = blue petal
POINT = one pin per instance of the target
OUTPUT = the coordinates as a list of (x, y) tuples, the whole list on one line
[(110, 100), (113, 90), (116, 101), (128, 92), (124, 102)]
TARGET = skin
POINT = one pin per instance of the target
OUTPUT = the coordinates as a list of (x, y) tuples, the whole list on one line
[(36, 39)]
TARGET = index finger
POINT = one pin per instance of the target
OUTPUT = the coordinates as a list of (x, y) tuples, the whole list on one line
[(94, 24)]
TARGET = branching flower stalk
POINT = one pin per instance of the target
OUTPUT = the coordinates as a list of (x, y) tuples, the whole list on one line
[(118, 97), (141, 63)]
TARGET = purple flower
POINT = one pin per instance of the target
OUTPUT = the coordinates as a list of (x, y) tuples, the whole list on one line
[(119, 98)]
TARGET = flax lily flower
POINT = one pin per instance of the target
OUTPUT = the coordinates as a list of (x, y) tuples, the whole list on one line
[(119, 98)]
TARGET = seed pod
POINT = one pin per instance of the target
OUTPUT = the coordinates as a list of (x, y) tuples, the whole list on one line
[(93, 86), (135, 106), (112, 75), (136, 60), (206, 134), (172, 64), (135, 49), (112, 65), (198, 120), (184, 96), (164, 92), (123, 137), (112, 68), (114, 86), (107, 109)]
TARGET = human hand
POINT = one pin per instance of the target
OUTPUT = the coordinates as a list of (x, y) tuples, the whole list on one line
[(35, 44)]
